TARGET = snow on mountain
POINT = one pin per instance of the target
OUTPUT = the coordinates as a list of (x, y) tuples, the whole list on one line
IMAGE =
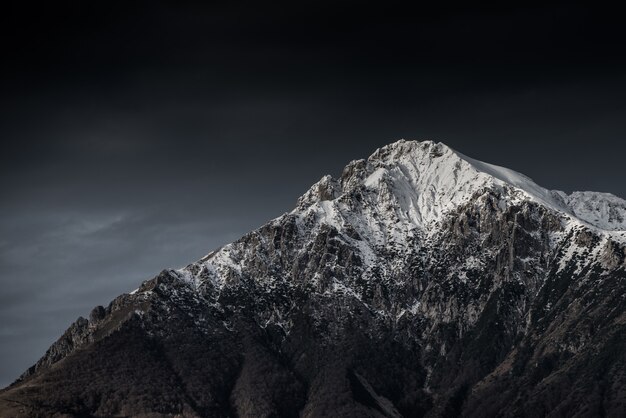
[(604, 210), (398, 191), (405, 190), (408, 185), (417, 280), (428, 179)]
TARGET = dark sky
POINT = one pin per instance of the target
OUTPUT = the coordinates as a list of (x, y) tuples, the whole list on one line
[(140, 138)]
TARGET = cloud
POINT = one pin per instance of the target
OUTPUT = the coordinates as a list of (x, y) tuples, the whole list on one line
[(58, 264)]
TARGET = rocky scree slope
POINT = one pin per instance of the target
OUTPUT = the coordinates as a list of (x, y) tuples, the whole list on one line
[(420, 283)]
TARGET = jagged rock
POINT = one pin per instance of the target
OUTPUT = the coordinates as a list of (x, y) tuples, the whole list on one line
[(97, 314)]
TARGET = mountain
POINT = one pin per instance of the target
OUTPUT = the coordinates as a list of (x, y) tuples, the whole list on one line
[(420, 283)]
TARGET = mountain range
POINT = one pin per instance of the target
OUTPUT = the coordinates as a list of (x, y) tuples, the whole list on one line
[(419, 283)]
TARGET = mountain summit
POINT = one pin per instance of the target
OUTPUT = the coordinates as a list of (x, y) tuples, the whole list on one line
[(420, 283), (432, 178)]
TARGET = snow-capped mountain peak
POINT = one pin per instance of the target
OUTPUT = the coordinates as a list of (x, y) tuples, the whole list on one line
[(414, 181), (457, 281), (423, 180), (404, 192)]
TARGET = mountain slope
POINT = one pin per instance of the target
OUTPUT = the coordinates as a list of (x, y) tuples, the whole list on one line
[(420, 282)]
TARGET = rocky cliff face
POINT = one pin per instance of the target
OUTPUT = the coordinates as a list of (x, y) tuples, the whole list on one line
[(420, 282)]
